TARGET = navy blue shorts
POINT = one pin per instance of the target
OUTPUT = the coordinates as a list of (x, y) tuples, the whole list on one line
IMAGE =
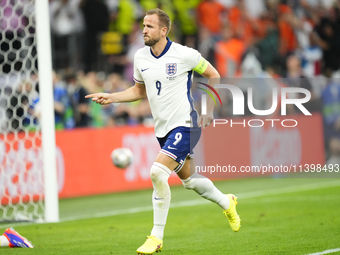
[(179, 143)]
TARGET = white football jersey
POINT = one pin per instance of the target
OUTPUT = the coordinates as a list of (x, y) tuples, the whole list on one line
[(168, 79)]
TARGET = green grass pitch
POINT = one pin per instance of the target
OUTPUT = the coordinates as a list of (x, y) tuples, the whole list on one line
[(279, 216)]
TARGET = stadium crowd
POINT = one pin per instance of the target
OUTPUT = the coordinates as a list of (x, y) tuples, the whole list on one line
[(94, 42), (245, 38)]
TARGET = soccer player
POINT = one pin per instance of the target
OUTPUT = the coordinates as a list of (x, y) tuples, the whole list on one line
[(11, 238), (163, 73)]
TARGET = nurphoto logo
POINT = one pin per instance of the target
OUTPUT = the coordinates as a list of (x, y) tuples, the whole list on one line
[(239, 103)]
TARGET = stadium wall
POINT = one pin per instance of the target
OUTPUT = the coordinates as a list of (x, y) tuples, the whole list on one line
[(273, 144), (88, 167), (84, 165)]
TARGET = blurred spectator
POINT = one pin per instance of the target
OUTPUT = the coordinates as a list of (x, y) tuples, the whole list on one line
[(144, 113), (62, 107), (286, 18), (294, 75), (31, 106), (266, 35), (303, 28), (295, 78), (241, 23), (331, 113), (80, 104), (120, 114), (251, 66), (67, 25), (131, 114), (187, 22), (96, 16), (207, 45), (123, 63), (124, 18), (255, 8), (98, 113), (294, 70), (227, 3), (229, 52), (122, 22), (136, 42), (311, 57), (211, 14), (268, 47), (328, 31), (292, 39)]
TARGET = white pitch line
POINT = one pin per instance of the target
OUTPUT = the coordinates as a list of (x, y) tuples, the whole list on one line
[(201, 201), (247, 195), (325, 252)]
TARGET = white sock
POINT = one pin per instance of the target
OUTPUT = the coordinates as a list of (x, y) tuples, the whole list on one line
[(161, 197), (205, 188), (4, 241)]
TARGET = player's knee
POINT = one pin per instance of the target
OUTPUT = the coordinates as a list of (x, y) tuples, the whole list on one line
[(154, 174), (189, 183), (195, 181), (159, 172)]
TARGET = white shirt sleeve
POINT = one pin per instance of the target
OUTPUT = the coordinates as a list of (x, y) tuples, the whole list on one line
[(192, 57)]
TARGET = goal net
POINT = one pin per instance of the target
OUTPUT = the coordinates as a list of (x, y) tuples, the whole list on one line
[(21, 156)]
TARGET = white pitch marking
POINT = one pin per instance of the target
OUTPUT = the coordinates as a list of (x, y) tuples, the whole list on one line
[(325, 252), (194, 202)]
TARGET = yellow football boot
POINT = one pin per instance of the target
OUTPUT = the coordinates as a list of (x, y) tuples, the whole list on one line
[(151, 245), (231, 214)]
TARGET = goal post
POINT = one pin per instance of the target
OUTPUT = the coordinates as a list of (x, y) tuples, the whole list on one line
[(47, 111), (28, 164)]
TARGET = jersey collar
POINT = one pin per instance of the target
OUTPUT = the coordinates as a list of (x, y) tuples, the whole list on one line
[(167, 47)]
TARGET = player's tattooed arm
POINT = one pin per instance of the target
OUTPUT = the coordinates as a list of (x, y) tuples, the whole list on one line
[(131, 94)]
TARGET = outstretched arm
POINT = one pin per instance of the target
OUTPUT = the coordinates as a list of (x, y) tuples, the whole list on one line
[(134, 93)]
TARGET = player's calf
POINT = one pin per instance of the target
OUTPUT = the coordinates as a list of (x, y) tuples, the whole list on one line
[(206, 189)]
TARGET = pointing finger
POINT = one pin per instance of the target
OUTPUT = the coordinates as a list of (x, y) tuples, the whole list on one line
[(90, 95)]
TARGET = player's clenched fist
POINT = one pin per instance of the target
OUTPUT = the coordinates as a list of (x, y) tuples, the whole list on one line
[(205, 120), (101, 98)]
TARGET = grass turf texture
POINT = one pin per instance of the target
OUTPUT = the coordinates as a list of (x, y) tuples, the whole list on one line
[(279, 216)]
